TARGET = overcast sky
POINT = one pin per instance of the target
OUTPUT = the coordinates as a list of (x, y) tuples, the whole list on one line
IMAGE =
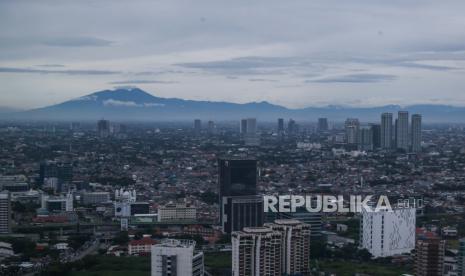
[(293, 53)]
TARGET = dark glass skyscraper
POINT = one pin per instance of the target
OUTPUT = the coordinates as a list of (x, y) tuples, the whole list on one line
[(239, 204)]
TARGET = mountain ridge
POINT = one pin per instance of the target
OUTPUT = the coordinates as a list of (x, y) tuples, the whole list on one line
[(134, 104)]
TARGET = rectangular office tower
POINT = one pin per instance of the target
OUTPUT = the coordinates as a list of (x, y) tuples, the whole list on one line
[(386, 234), (280, 126), (176, 257), (322, 124), (239, 206), (416, 132), (386, 130), (5, 212), (352, 127), (237, 177), (402, 137), (241, 211), (429, 256)]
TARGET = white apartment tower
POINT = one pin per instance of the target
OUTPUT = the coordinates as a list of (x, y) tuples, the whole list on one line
[(385, 233), (5, 212), (176, 257)]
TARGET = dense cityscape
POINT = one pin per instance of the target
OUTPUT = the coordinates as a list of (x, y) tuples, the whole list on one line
[(187, 198)]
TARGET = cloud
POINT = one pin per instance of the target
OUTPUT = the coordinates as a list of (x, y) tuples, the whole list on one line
[(262, 80), (142, 82), (51, 65), (76, 41), (355, 78), (67, 72), (118, 103)]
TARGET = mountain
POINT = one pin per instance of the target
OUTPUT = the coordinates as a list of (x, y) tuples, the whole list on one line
[(134, 104)]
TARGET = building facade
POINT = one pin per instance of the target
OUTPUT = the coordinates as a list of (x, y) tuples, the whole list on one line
[(386, 234), (416, 133), (429, 257), (402, 131), (177, 257), (386, 130), (177, 212), (5, 213)]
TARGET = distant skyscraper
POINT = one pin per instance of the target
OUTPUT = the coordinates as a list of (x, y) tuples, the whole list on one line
[(280, 125), (386, 234), (237, 181), (402, 137), (251, 126), (366, 138), (291, 127), (376, 129), (352, 127), (416, 132), (176, 257), (211, 126), (197, 125), (5, 213), (322, 124), (386, 131), (103, 128), (243, 128), (429, 256)]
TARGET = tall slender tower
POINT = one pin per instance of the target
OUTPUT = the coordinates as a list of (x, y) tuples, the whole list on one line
[(386, 130), (402, 137), (416, 132), (5, 213)]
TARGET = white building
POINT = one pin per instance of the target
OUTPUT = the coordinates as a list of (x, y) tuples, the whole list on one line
[(386, 233), (176, 257), (177, 212), (95, 198), (58, 204), (5, 213)]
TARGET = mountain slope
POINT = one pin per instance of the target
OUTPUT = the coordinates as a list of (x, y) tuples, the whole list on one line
[(133, 104)]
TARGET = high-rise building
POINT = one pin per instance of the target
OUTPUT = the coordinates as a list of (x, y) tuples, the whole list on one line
[(416, 132), (429, 256), (366, 138), (5, 212), (63, 171), (237, 177), (103, 128), (279, 248), (295, 240), (402, 137), (176, 257), (197, 125), (280, 126), (211, 126), (352, 127), (241, 211), (386, 131), (256, 251), (322, 124), (461, 258), (386, 234), (291, 127), (243, 127), (376, 129), (251, 126), (237, 180)]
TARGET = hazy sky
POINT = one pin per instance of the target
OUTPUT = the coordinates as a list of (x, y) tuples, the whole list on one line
[(293, 53)]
